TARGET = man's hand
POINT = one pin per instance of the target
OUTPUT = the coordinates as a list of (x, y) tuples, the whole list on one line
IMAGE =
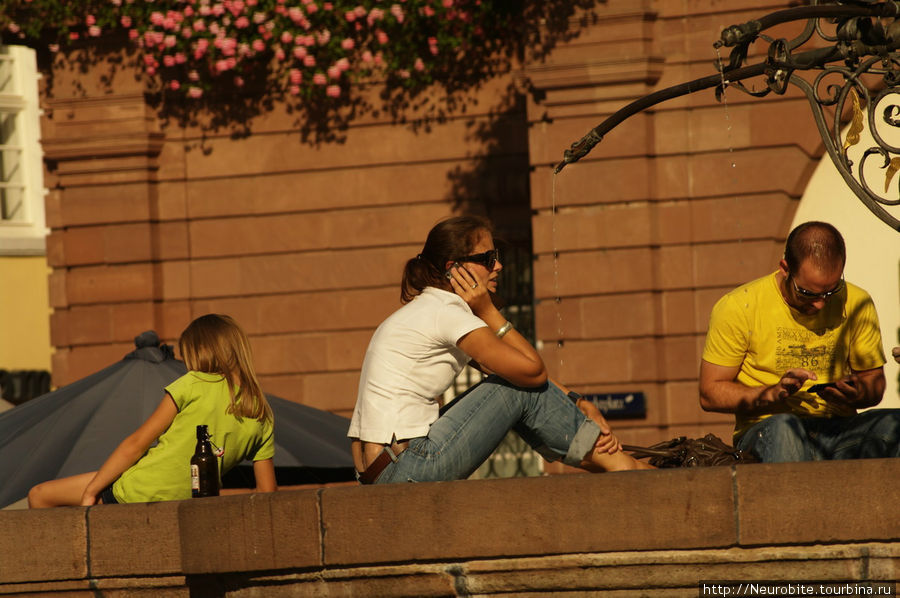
[(791, 381), (844, 391)]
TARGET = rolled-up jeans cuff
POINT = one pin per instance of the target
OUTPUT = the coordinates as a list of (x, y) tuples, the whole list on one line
[(583, 442)]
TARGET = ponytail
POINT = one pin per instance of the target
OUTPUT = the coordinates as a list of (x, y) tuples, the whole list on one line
[(449, 240)]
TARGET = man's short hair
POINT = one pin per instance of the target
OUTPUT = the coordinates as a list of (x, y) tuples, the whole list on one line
[(819, 242)]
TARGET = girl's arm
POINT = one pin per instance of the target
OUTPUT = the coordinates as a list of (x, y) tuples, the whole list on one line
[(264, 472), (511, 357), (131, 449)]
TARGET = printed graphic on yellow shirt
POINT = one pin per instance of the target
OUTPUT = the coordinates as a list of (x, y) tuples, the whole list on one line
[(815, 350)]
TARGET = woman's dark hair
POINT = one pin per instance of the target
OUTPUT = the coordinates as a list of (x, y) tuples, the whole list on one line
[(448, 240)]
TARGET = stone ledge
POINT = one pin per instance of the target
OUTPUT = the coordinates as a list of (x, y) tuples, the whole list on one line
[(831, 520)]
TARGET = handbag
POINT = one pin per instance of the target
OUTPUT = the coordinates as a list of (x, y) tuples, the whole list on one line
[(691, 452)]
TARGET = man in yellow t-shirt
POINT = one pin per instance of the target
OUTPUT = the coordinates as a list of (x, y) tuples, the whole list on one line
[(773, 340)]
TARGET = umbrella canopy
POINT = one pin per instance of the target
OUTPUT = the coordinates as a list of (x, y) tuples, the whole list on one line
[(75, 428)]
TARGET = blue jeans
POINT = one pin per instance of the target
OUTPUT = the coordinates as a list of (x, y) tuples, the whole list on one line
[(472, 426), (785, 437)]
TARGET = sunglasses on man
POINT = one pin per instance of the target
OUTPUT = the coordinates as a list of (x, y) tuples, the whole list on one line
[(486, 259), (812, 296)]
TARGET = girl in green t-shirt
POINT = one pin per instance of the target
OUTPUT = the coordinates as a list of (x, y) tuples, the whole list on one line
[(220, 390)]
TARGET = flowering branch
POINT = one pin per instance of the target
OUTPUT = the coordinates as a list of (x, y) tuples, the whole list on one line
[(309, 49)]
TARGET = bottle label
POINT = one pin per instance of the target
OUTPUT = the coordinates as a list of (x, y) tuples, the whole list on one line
[(195, 478)]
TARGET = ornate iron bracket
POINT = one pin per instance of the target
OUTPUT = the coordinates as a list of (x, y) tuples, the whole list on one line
[(859, 64)]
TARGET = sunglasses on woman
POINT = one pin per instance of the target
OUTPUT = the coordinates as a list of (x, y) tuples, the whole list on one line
[(486, 259)]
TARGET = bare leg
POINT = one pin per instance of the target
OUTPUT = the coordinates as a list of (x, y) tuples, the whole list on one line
[(59, 493), (600, 459)]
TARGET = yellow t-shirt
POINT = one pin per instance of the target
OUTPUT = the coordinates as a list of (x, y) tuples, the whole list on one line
[(164, 472), (753, 326)]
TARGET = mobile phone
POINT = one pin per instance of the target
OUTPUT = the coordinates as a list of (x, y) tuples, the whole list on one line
[(448, 274), (820, 388)]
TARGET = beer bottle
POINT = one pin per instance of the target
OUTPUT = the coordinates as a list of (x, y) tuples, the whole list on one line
[(204, 467)]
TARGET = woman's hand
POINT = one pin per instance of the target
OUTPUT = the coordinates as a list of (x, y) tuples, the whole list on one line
[(472, 288), (88, 499)]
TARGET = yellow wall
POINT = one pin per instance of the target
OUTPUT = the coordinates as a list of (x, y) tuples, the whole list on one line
[(24, 313)]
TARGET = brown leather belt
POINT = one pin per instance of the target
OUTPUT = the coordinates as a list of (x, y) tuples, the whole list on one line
[(384, 458)]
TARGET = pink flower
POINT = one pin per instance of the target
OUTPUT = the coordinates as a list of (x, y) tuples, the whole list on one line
[(429, 12), (54, 47), (280, 55), (296, 14), (242, 22), (319, 79), (447, 3), (309, 60), (347, 43), (299, 52), (132, 34), (90, 20), (311, 8), (188, 11), (379, 59), (294, 89), (324, 37), (260, 17), (381, 36), (397, 11), (404, 74), (151, 70), (367, 56), (343, 64), (333, 91), (94, 31), (174, 85), (237, 7), (157, 18), (170, 41), (193, 76), (125, 20), (419, 65), (239, 81), (286, 37), (360, 11), (334, 72), (376, 14), (221, 66), (195, 92), (258, 45), (169, 60), (296, 76), (180, 58), (350, 16), (199, 25), (73, 35), (218, 10), (328, 6)]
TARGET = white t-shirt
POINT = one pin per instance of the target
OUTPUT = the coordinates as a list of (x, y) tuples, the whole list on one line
[(412, 359)]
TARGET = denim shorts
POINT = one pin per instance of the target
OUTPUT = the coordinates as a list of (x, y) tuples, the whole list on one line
[(107, 496)]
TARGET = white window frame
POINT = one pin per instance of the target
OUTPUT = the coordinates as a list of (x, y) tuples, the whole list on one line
[(26, 235)]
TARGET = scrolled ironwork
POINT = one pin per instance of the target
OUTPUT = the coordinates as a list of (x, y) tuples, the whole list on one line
[(859, 64)]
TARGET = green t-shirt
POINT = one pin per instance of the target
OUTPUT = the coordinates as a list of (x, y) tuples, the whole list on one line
[(164, 472), (753, 327)]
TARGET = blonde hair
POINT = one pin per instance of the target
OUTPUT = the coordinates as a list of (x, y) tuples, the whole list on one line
[(215, 344)]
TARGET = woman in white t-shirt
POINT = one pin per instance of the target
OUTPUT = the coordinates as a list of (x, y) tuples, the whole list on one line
[(448, 320)]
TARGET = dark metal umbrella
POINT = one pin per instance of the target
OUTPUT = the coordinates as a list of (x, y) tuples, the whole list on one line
[(75, 428)]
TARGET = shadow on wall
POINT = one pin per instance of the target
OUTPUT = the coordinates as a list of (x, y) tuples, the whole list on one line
[(536, 27)]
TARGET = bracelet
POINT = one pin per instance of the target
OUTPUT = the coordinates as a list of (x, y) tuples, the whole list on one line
[(504, 329)]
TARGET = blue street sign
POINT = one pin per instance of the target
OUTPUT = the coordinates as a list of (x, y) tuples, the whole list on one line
[(620, 405)]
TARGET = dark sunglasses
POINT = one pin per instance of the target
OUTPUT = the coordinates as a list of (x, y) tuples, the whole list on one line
[(486, 259), (806, 294)]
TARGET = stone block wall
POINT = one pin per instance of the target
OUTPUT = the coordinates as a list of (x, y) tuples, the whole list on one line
[(649, 533)]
